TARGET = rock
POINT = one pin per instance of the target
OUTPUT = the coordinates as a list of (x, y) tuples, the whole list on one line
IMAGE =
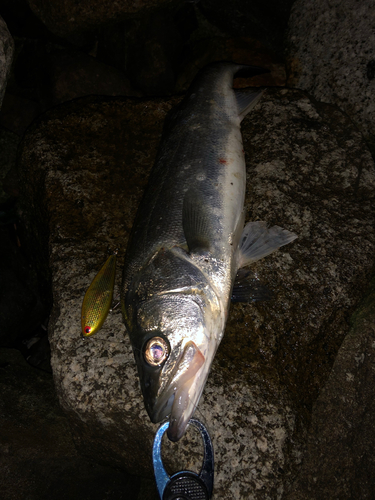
[(69, 19), (84, 166), (265, 21), (125, 44), (339, 462), (331, 53), (38, 458), (241, 50), (8, 147), (70, 74), (6, 56), (154, 54), (21, 308), (18, 112), (21, 21)]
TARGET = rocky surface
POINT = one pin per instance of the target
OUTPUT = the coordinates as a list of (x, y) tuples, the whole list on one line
[(6, 56), (67, 74), (8, 145), (264, 20), (331, 53), (84, 166), (21, 308), (339, 461), (38, 458), (67, 18)]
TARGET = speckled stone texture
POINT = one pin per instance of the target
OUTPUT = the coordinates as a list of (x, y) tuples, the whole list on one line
[(6, 56), (331, 54), (84, 166)]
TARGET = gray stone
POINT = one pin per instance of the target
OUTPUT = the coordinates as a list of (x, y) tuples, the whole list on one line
[(70, 74), (85, 165), (332, 55), (67, 18), (18, 112), (21, 309), (8, 147), (264, 20), (6, 56), (339, 462), (38, 457)]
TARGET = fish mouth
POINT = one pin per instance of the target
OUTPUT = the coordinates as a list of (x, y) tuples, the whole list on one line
[(182, 392)]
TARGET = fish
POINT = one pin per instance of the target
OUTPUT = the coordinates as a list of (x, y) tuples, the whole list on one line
[(98, 298), (187, 244)]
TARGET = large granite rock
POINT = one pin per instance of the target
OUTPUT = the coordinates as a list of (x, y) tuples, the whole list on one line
[(339, 461), (84, 166), (21, 308), (331, 54), (67, 18), (265, 20), (8, 145), (68, 74), (38, 458), (6, 56)]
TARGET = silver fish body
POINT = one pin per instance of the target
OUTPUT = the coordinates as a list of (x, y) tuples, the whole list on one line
[(186, 247)]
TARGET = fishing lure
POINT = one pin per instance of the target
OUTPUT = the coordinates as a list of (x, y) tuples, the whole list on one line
[(98, 298)]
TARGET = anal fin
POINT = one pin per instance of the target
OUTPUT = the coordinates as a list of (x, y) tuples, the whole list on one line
[(248, 289)]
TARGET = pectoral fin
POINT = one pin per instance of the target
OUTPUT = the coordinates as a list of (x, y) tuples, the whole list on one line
[(196, 222), (258, 241)]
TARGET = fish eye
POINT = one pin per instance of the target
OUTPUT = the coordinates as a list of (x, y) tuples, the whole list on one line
[(156, 351)]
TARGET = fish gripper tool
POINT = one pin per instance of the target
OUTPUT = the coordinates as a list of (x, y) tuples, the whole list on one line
[(184, 485)]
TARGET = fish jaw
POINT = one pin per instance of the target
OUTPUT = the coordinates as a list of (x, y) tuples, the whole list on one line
[(178, 399)]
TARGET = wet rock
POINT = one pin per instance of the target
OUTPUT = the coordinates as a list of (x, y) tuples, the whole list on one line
[(69, 19), (6, 56), (331, 49), (85, 165), (339, 462), (38, 458)]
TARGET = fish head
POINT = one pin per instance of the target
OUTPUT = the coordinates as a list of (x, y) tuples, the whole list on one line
[(174, 338)]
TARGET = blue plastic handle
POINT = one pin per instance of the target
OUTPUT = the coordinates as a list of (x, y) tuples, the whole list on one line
[(207, 472)]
